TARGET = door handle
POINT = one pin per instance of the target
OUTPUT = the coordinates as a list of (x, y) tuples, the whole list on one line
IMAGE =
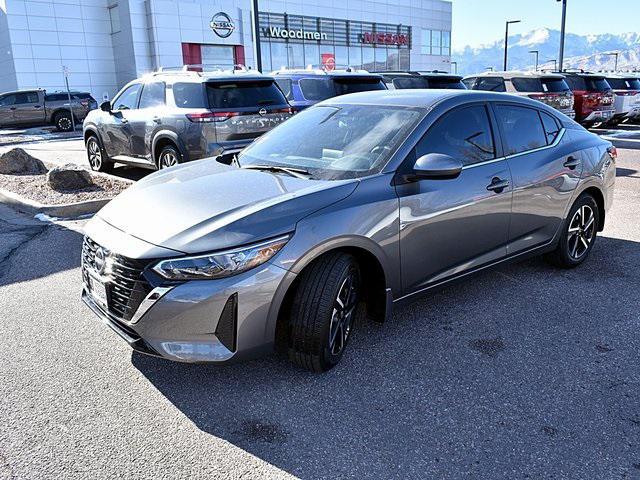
[(572, 163), (157, 119), (36, 106), (12, 108), (124, 120), (498, 185)]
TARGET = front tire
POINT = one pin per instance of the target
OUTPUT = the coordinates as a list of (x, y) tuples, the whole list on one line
[(578, 233), (98, 160), (323, 312)]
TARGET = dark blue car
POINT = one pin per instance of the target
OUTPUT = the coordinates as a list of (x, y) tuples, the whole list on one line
[(306, 87)]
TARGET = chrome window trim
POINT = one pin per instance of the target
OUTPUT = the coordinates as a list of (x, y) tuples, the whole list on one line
[(509, 157)]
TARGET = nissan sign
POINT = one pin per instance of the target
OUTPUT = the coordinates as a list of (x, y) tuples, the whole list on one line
[(222, 25)]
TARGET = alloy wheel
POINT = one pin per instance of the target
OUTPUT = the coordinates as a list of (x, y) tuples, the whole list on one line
[(581, 232), (342, 316), (95, 154), (168, 159), (64, 123)]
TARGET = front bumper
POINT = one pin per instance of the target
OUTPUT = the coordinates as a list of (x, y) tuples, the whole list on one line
[(192, 322)]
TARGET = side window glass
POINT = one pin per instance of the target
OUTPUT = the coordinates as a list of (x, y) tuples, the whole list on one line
[(469, 82), (152, 95), (551, 127), (521, 127), (7, 101), (127, 99), (464, 133), (285, 86), (26, 97), (491, 84)]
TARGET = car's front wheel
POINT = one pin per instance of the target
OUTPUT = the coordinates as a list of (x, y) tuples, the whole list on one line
[(323, 311), (97, 157), (579, 233)]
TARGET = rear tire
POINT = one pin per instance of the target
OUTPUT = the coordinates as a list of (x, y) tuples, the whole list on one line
[(63, 122), (578, 233), (97, 156), (169, 157), (323, 311)]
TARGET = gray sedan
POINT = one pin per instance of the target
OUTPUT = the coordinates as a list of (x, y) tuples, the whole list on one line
[(339, 214)]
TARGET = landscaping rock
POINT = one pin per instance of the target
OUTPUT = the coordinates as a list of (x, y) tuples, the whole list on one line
[(69, 177), (19, 162)]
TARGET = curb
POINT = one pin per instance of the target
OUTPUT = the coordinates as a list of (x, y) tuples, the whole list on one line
[(65, 210)]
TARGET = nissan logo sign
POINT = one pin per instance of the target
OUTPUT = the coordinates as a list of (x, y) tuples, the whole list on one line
[(262, 111), (222, 25), (100, 260)]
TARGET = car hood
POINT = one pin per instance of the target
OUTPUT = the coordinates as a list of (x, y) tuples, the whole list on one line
[(205, 206)]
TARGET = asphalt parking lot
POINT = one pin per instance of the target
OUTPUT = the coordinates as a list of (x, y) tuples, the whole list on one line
[(522, 372)]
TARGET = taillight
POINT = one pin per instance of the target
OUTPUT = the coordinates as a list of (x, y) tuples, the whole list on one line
[(284, 110), (208, 117), (84, 103), (613, 152), (626, 93)]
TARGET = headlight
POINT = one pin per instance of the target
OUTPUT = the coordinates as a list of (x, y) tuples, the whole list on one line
[(220, 264)]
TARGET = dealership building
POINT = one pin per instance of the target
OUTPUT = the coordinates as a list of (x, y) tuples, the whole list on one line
[(102, 44)]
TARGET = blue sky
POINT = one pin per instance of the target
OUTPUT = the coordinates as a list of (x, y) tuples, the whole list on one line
[(482, 21)]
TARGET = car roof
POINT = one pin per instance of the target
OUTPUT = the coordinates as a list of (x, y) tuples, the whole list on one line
[(517, 74), (425, 98), (303, 72), (421, 73), (581, 73)]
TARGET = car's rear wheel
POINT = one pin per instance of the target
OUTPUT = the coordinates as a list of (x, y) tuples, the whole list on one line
[(169, 157), (323, 311), (63, 122), (98, 160), (578, 234)]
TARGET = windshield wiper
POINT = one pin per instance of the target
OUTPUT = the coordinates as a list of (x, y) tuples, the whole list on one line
[(294, 172)]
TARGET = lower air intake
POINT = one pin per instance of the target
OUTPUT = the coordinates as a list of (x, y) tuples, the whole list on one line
[(227, 328)]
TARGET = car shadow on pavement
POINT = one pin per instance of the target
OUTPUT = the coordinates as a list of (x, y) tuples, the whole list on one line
[(524, 369)]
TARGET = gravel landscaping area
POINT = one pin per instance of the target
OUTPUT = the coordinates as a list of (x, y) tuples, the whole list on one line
[(35, 188)]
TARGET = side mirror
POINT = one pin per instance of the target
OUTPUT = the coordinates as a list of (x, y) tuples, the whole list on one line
[(436, 166), (106, 106)]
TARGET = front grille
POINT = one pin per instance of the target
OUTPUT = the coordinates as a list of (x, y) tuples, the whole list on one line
[(126, 286)]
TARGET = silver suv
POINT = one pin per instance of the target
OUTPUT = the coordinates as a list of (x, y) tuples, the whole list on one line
[(167, 118), (549, 88), (359, 203)]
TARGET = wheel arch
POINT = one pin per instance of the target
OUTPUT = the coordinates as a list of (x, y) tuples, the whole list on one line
[(598, 196), (377, 296), (164, 138)]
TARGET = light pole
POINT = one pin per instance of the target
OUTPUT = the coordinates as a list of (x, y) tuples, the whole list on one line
[(555, 63), (489, 68), (614, 54), (564, 21), (256, 34), (537, 53), (506, 39), (455, 67)]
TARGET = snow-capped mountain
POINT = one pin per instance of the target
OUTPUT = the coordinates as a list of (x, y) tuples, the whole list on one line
[(580, 51)]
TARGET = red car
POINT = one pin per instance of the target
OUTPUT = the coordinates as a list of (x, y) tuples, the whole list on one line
[(593, 97)]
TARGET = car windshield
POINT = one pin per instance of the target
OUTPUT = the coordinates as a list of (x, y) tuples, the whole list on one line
[(317, 89), (335, 142)]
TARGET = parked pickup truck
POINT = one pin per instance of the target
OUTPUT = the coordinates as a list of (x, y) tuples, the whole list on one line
[(25, 108)]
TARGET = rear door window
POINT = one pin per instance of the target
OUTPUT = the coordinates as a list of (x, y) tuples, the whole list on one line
[(244, 94), (464, 133), (491, 84), (189, 95), (521, 128), (551, 127), (152, 95)]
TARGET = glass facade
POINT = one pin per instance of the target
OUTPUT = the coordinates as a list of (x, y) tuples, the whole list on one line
[(296, 41), (435, 42)]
